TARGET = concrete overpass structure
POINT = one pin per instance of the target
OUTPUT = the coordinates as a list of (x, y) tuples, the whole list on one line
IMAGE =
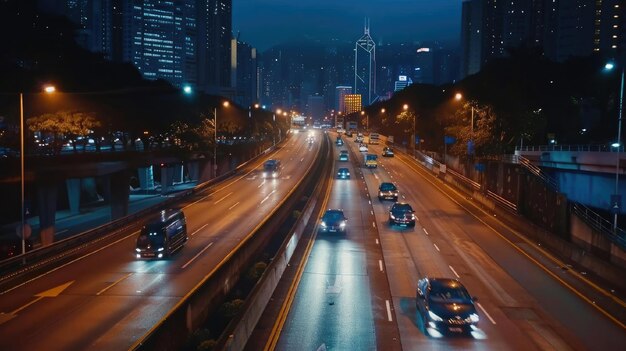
[(585, 173)]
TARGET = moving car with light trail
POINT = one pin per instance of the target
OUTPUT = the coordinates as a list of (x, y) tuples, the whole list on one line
[(163, 236), (333, 221), (445, 305)]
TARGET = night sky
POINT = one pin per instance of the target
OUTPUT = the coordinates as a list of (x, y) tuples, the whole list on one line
[(265, 23)]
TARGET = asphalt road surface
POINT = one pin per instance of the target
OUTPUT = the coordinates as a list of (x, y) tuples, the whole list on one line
[(106, 300), (526, 301)]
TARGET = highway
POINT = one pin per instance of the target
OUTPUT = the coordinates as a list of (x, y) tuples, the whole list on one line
[(525, 300), (107, 299), (334, 305)]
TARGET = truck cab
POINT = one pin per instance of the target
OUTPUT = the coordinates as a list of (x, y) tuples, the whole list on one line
[(371, 161)]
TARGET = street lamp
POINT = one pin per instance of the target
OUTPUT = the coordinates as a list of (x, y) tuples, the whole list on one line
[(405, 107), (609, 66), (225, 104), (48, 89), (458, 97)]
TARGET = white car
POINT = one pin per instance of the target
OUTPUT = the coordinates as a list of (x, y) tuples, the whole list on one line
[(363, 148)]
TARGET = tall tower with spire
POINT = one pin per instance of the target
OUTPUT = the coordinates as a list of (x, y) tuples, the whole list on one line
[(365, 67)]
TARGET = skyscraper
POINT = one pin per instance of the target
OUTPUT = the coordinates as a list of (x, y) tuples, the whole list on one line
[(214, 45), (353, 103), (340, 93), (365, 67), (159, 39)]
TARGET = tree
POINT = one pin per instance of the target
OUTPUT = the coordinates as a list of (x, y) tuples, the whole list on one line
[(485, 134), (64, 125)]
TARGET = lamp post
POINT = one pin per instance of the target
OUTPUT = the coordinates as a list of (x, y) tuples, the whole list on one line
[(225, 104), (458, 97), (618, 144), (405, 107), (48, 89)]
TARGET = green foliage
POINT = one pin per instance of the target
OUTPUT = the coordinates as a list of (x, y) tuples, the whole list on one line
[(256, 271), (63, 125), (207, 345), (230, 309)]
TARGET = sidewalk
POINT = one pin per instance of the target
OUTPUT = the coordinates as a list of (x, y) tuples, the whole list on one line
[(93, 215)]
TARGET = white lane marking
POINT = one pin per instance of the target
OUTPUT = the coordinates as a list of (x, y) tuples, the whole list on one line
[(199, 229), (425, 231), (369, 201), (380, 265), (231, 207), (268, 196), (70, 262), (61, 231), (113, 284), (260, 185), (196, 256), (220, 200), (374, 224), (437, 247), (376, 241), (372, 212), (302, 159), (375, 175), (455, 273), (201, 199), (388, 311), (486, 314), (417, 218)]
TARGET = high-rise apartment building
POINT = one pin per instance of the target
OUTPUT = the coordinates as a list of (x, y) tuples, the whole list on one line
[(244, 72), (159, 39), (340, 93), (562, 28), (365, 67), (352, 103), (214, 45)]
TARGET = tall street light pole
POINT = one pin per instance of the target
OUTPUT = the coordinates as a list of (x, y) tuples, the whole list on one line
[(22, 173), (225, 104), (405, 107), (49, 89), (618, 145)]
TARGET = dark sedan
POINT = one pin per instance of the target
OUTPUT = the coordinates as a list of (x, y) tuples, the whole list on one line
[(387, 191), (402, 214), (445, 305), (333, 221)]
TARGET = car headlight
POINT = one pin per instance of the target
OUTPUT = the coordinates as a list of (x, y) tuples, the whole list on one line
[(264, 174), (474, 318), (392, 216), (380, 193), (348, 173), (434, 317), (395, 194), (323, 224), (412, 216), (274, 174), (343, 224), (138, 249), (161, 249)]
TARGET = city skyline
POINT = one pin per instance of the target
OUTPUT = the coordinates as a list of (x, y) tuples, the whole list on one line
[(263, 23)]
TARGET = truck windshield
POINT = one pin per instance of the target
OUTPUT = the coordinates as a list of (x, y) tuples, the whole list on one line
[(151, 235)]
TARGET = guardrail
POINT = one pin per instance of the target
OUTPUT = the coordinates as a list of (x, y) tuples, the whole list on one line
[(240, 329), (465, 181), (598, 223), (63, 250), (171, 332), (579, 148)]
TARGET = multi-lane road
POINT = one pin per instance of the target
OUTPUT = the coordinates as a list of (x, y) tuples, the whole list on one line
[(526, 301), (356, 290), (107, 300)]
